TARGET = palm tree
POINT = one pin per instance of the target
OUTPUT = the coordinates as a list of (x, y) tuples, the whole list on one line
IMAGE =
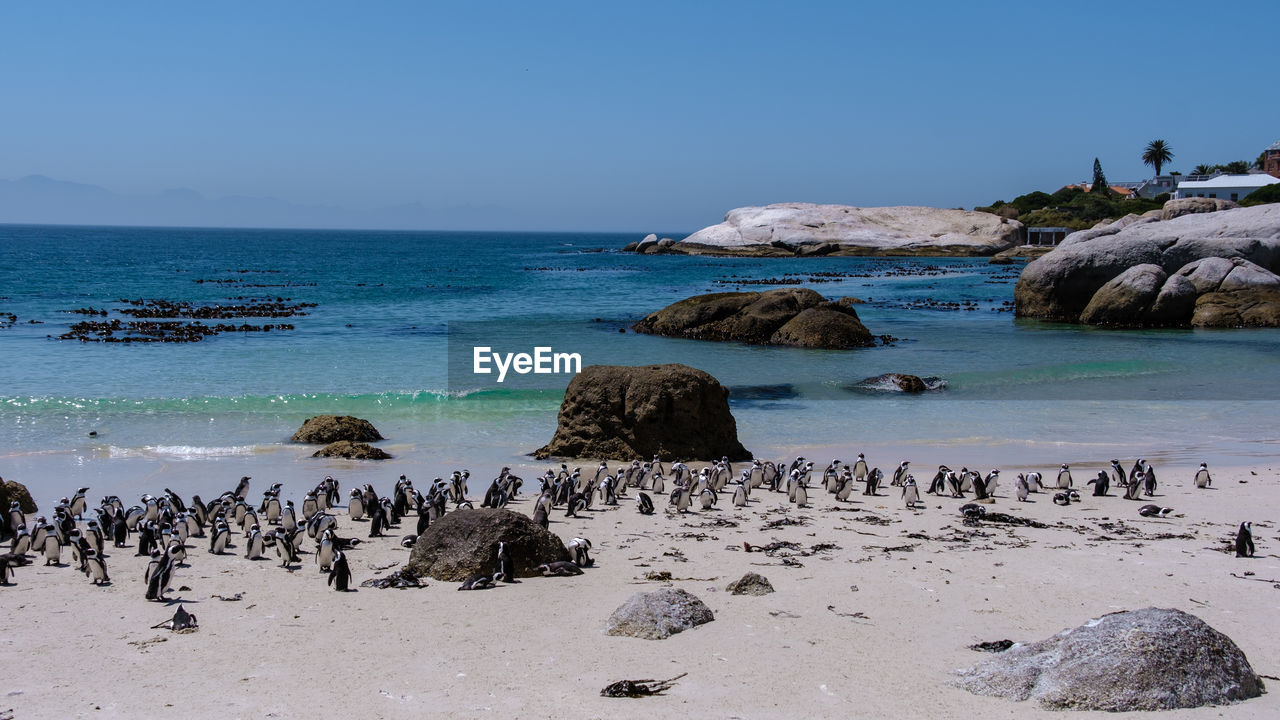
[(1157, 154), (1236, 167), (1202, 170)]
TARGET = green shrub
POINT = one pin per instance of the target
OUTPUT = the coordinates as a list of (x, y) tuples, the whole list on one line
[(1262, 196)]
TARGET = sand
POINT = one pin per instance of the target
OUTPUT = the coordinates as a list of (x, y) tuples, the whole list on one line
[(872, 628)]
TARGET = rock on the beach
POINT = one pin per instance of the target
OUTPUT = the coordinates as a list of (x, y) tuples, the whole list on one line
[(795, 317), (324, 429), (805, 229), (1191, 206), (617, 412), (658, 615), (1149, 659), (464, 542), (1214, 269), (750, 584), (352, 451), (11, 490)]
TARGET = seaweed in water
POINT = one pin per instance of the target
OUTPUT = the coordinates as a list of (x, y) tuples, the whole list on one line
[(639, 688)]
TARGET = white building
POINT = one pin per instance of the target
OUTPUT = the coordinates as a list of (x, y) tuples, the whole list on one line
[(1226, 187)]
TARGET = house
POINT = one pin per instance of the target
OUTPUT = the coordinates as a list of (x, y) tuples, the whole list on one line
[(1159, 185), (1271, 159), (1225, 187)]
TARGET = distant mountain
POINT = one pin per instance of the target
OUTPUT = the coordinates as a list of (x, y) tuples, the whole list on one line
[(37, 199)]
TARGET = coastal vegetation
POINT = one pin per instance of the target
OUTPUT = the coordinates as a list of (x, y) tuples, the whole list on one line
[(1071, 207), (1262, 196)]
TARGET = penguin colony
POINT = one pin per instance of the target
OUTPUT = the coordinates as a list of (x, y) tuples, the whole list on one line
[(167, 529)]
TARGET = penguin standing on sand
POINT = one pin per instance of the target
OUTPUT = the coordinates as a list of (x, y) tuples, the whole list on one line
[(1021, 488), (1244, 540), (340, 573), (874, 478), (506, 568), (6, 570), (900, 475), (220, 536), (910, 493), (161, 576), (1101, 484), (1202, 477), (21, 543), (52, 548), (1064, 477), (860, 468), (95, 568), (256, 543), (1148, 479)]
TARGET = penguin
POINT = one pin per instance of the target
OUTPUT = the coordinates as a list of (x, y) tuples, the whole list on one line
[(1035, 482), (910, 493), (1154, 511), (17, 518), (1064, 477), (577, 503), (1202, 477), (119, 530), (860, 468), (801, 496), (1244, 539), (21, 542), (285, 549), (658, 486), (52, 549), (956, 485), (1148, 479), (1021, 488), (900, 475), (644, 504), (220, 537), (1061, 498), (181, 620), (580, 548), (991, 481), (377, 519), (1101, 484), (159, 580), (506, 568), (740, 495), (242, 488), (831, 477), (325, 553), (540, 516), (479, 581), (272, 508), (77, 504), (95, 568), (310, 505), (255, 545), (559, 568), (340, 573), (680, 498), (1133, 491), (1120, 479), (707, 498), (845, 486), (874, 478), (973, 511), (938, 484), (1135, 473), (6, 570)]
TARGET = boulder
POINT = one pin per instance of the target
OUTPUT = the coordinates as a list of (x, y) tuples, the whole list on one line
[(11, 490), (809, 229), (352, 451), (464, 542), (750, 584), (332, 428), (772, 317), (1125, 299), (898, 383), (658, 615), (1242, 308), (1236, 248), (622, 413), (1150, 659), (1193, 205)]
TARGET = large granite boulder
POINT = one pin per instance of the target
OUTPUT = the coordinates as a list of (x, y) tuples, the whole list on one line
[(463, 543), (796, 317), (11, 490), (323, 429), (1150, 659), (1190, 206), (352, 451), (1112, 275), (658, 615), (622, 413), (803, 229)]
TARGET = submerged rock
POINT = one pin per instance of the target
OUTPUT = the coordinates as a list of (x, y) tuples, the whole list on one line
[(352, 451), (750, 584), (658, 615), (795, 317), (464, 542), (898, 383), (617, 412), (323, 429), (1150, 659)]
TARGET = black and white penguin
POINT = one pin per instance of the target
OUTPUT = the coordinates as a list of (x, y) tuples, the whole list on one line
[(95, 568), (340, 573), (801, 494), (1148, 479), (644, 504), (160, 576), (506, 568), (1101, 484), (910, 493), (1064, 477), (326, 552), (21, 542), (580, 548), (900, 475), (377, 520), (1202, 477), (1021, 488), (577, 503), (6, 570), (220, 536), (973, 511), (540, 516), (77, 505), (559, 568), (1154, 511), (740, 494), (874, 478), (860, 468), (479, 581), (708, 498), (17, 518), (256, 544), (1244, 540), (1061, 498), (52, 548)]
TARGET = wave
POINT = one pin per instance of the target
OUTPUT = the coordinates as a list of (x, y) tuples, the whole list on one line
[(184, 452)]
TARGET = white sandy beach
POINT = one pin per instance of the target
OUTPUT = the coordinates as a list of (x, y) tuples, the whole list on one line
[(871, 629)]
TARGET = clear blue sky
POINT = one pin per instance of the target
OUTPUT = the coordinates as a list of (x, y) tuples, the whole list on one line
[(636, 116)]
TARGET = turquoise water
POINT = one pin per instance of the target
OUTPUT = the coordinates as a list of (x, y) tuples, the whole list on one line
[(377, 342)]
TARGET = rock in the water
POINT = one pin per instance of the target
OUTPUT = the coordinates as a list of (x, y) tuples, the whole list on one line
[(898, 383), (1093, 275), (658, 615), (1150, 659), (1193, 205), (464, 542), (750, 584), (11, 490), (808, 229), (616, 412), (324, 429), (352, 451), (796, 317)]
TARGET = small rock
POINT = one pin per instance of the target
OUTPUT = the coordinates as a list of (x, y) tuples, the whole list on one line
[(658, 615), (750, 584)]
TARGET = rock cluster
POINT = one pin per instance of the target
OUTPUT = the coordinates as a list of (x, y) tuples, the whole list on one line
[(352, 451), (796, 317), (1206, 269), (658, 615), (617, 412), (1150, 659), (465, 542)]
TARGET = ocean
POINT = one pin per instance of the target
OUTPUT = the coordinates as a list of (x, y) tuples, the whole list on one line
[(387, 316)]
